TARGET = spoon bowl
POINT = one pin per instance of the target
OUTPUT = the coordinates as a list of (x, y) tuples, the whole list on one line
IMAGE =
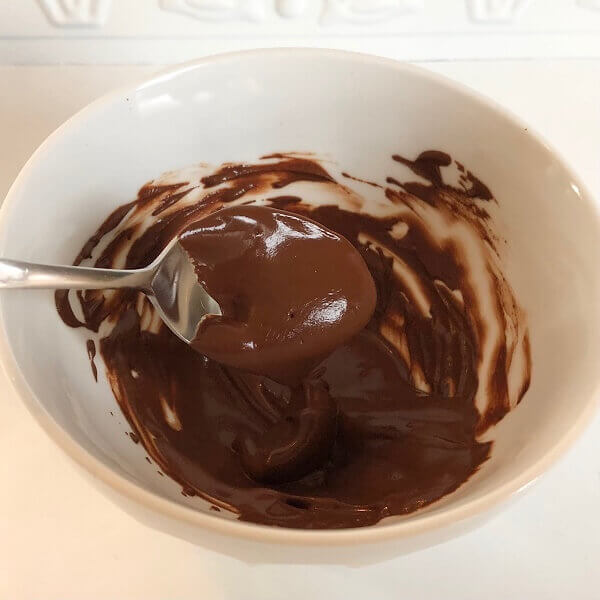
[(176, 293)]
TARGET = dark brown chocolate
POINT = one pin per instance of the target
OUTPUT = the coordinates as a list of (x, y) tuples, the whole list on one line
[(91, 350), (290, 290), (389, 421)]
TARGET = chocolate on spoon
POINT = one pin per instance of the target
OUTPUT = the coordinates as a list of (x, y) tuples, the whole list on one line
[(290, 290), (243, 287)]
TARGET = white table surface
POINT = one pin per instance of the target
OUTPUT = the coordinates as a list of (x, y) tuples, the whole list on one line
[(60, 539)]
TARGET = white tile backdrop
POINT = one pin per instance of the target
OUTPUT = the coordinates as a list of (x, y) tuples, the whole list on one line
[(162, 31)]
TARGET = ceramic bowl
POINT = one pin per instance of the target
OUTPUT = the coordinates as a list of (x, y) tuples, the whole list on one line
[(357, 110)]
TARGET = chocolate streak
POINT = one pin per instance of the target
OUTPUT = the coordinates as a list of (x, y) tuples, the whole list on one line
[(389, 421), (91, 350)]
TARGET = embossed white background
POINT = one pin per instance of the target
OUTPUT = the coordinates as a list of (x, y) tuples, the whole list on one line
[(163, 31)]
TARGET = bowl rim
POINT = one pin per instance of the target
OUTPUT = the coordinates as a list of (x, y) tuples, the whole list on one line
[(417, 524)]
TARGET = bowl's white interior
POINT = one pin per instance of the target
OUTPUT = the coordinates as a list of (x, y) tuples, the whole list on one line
[(359, 111)]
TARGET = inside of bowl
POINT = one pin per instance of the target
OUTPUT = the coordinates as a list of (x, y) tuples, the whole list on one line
[(352, 110)]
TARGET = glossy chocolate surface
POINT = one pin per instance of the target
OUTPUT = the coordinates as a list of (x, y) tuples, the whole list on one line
[(390, 419)]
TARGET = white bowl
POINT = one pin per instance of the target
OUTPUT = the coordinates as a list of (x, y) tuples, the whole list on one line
[(358, 110)]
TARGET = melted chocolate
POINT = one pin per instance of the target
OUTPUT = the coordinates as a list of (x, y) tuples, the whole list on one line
[(371, 183), (91, 350), (290, 290), (288, 170), (429, 166), (389, 421)]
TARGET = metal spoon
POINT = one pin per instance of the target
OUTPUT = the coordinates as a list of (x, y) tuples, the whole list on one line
[(170, 282)]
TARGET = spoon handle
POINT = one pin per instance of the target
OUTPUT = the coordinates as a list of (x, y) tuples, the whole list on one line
[(18, 274)]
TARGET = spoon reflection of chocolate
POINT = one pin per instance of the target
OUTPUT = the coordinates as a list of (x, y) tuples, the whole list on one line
[(391, 419)]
